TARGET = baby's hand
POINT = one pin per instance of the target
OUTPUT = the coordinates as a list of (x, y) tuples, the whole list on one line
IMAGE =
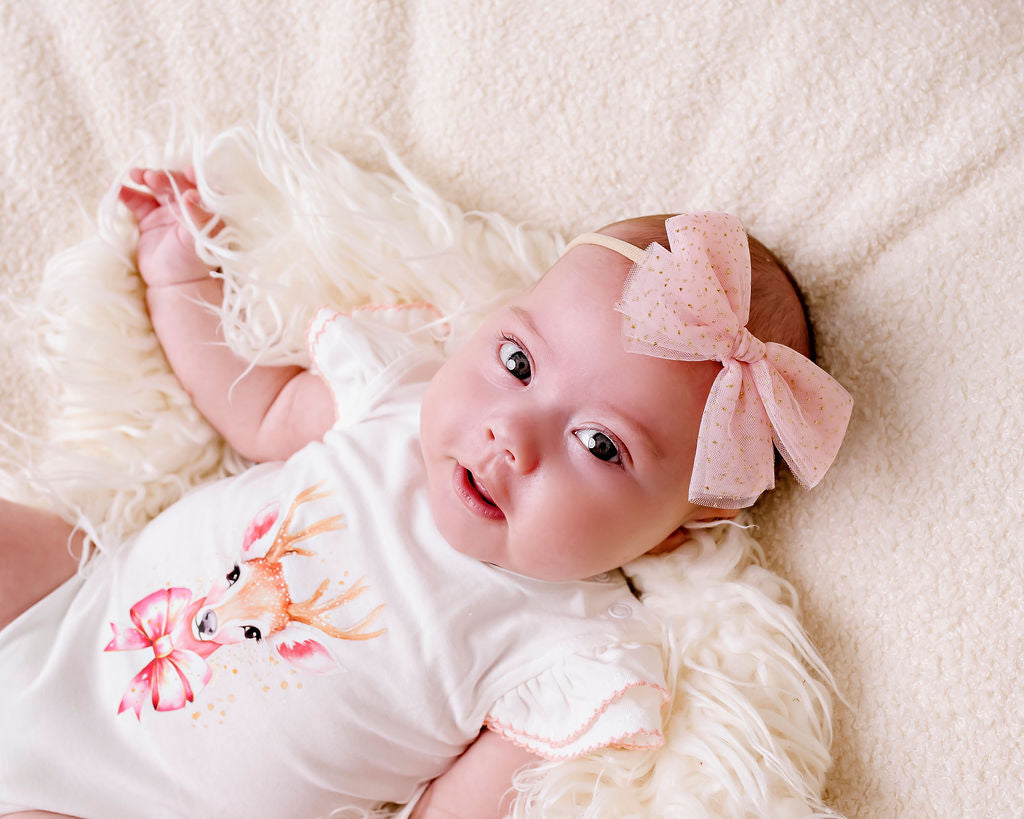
[(166, 250)]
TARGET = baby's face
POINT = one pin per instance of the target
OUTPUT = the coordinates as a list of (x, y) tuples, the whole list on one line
[(550, 450)]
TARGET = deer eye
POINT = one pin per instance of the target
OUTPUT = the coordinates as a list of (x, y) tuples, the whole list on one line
[(252, 633), (232, 576)]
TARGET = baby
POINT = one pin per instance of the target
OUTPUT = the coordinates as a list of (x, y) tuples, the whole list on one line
[(414, 593)]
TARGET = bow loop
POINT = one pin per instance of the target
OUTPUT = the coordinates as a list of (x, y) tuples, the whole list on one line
[(691, 303)]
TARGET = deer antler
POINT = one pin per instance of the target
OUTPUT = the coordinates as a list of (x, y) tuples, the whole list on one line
[(310, 614), (284, 540)]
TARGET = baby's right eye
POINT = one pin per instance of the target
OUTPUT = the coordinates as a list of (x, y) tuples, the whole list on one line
[(599, 445), (515, 360), (232, 576)]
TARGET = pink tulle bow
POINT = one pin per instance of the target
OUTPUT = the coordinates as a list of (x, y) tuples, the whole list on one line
[(162, 622), (691, 303)]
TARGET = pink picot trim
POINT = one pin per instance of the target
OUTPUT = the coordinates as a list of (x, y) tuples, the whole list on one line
[(510, 732), (413, 305), (313, 340), (618, 742)]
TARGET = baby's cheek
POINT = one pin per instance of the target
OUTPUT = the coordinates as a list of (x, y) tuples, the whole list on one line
[(436, 404)]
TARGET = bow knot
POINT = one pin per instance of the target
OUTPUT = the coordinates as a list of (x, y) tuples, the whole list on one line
[(746, 347), (163, 646), (692, 303)]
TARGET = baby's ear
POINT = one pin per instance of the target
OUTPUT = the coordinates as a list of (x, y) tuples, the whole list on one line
[(710, 515), (675, 539), (706, 515)]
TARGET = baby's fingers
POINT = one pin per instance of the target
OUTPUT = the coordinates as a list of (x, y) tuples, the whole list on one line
[(163, 183), (178, 189), (140, 203), (196, 213)]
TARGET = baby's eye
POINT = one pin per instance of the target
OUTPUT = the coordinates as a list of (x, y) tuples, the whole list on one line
[(232, 576), (515, 360), (599, 445)]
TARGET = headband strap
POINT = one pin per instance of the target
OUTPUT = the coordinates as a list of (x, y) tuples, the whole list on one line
[(631, 252), (691, 303)]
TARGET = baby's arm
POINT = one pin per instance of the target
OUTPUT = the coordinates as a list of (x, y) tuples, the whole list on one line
[(479, 784), (38, 552), (272, 411)]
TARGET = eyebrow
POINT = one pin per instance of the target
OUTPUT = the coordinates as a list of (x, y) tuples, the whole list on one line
[(526, 318), (645, 437), (641, 431)]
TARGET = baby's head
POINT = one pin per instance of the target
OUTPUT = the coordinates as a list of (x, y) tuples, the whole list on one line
[(558, 449)]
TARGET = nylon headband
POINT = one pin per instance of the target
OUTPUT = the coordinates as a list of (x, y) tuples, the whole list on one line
[(631, 252)]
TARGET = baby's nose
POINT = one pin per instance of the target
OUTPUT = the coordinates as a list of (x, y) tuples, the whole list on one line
[(517, 441)]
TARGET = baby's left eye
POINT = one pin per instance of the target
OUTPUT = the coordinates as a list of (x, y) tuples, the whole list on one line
[(599, 445)]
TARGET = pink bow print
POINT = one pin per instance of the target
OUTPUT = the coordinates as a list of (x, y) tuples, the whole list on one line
[(691, 303), (162, 621)]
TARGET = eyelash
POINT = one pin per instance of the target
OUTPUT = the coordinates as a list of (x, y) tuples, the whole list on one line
[(504, 336), (623, 453)]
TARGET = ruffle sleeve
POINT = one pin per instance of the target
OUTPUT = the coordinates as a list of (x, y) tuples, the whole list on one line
[(609, 697), (361, 352)]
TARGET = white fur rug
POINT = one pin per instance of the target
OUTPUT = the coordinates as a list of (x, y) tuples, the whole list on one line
[(749, 727), (876, 146)]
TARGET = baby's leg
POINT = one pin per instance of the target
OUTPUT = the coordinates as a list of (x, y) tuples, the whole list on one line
[(38, 552)]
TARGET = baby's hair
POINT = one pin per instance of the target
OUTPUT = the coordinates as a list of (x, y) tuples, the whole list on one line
[(778, 312)]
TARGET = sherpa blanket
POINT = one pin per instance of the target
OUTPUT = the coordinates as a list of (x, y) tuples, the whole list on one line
[(875, 147)]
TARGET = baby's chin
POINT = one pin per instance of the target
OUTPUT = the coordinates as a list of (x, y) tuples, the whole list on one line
[(539, 570), (499, 558)]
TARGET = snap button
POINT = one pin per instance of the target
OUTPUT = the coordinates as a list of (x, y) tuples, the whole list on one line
[(620, 610), (604, 577)]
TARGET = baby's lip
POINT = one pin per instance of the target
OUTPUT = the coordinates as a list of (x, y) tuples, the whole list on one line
[(481, 488), (475, 495)]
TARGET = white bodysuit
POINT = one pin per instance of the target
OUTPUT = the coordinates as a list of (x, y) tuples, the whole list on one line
[(300, 637)]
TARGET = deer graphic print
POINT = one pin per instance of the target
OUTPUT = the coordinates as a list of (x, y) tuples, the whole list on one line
[(252, 602)]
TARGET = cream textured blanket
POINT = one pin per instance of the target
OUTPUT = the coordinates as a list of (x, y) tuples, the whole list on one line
[(876, 147)]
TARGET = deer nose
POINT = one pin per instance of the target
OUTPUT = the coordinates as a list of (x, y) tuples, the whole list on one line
[(207, 623)]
